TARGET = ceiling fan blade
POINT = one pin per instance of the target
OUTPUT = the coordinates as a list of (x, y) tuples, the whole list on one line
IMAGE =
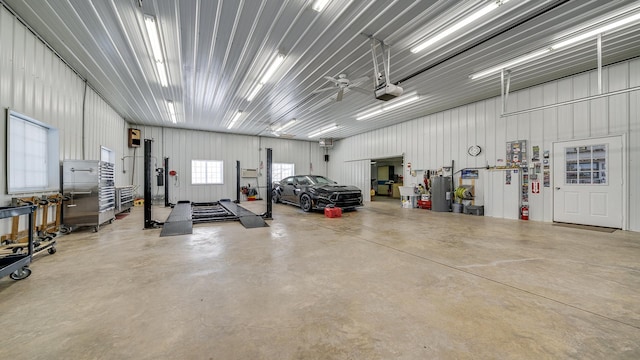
[(332, 79), (340, 93), (323, 90), (360, 90)]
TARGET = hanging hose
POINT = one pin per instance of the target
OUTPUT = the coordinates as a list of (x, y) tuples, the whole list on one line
[(463, 193)]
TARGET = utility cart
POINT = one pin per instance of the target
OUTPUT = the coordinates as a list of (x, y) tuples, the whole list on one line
[(16, 263)]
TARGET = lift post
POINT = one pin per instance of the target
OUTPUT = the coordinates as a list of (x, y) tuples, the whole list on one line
[(148, 223), (268, 214), (237, 181), (166, 183), (148, 170)]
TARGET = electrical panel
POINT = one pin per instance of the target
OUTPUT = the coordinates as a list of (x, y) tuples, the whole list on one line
[(134, 138)]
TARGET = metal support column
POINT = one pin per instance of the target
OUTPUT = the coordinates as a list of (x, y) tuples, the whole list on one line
[(505, 84), (599, 63), (237, 181), (268, 214), (148, 223), (166, 182)]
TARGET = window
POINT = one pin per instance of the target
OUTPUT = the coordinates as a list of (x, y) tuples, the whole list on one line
[(586, 165), (107, 155), (206, 172), (32, 153), (280, 171)]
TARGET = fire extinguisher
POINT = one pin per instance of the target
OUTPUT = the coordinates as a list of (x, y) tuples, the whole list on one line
[(524, 212)]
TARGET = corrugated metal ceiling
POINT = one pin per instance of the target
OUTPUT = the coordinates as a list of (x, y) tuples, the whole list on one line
[(216, 50)]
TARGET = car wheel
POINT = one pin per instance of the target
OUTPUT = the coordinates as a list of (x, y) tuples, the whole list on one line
[(305, 202), (275, 197)]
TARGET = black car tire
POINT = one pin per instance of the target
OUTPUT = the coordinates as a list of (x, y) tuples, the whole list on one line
[(305, 202), (275, 197)]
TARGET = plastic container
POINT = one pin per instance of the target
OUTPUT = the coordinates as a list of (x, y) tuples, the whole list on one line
[(477, 210), (333, 212), (457, 208)]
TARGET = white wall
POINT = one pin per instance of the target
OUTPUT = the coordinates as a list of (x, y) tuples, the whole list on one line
[(182, 146), (36, 83), (433, 141)]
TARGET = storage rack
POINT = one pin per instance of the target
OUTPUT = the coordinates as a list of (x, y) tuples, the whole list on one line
[(16, 263), (44, 233)]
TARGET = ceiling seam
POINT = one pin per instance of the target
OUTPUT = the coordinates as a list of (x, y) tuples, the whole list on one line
[(41, 39), (482, 41)]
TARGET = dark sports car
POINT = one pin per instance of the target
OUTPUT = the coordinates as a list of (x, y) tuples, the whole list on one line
[(311, 192)]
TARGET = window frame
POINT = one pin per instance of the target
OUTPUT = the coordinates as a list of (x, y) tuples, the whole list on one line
[(220, 165), (279, 166), (50, 156)]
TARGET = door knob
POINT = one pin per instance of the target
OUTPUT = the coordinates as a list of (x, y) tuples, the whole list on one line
[(557, 188)]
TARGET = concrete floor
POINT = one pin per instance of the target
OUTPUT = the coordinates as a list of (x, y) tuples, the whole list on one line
[(379, 283)]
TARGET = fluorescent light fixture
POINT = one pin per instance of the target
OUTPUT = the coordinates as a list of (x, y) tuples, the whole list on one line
[(156, 48), (154, 38), (568, 42), (275, 64), (400, 102), (235, 119), (368, 115), (323, 130), (254, 92), (319, 5), (389, 106), (509, 64), (287, 125), (162, 71), (458, 25), (595, 32), (172, 111)]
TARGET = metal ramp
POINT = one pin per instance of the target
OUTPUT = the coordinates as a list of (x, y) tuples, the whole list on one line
[(248, 219), (179, 221), (185, 214)]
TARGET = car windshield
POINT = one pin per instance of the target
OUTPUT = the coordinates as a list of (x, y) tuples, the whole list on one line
[(321, 180)]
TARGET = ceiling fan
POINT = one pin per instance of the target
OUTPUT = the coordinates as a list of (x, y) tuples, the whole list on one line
[(342, 83)]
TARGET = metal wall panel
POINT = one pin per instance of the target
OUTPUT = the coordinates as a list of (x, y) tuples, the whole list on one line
[(446, 135), (633, 143), (104, 127), (182, 146), (357, 173), (35, 82)]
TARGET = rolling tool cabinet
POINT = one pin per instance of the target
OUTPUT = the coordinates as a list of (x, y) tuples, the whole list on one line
[(13, 262), (90, 187)]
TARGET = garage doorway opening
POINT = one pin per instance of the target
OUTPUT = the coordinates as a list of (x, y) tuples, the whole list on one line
[(387, 176)]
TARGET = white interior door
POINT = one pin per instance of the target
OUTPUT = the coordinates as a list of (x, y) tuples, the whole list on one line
[(587, 182)]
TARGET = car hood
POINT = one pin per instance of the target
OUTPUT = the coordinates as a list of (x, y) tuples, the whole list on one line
[(336, 187)]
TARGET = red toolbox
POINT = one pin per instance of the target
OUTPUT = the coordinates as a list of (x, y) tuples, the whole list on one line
[(333, 212), (424, 204)]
